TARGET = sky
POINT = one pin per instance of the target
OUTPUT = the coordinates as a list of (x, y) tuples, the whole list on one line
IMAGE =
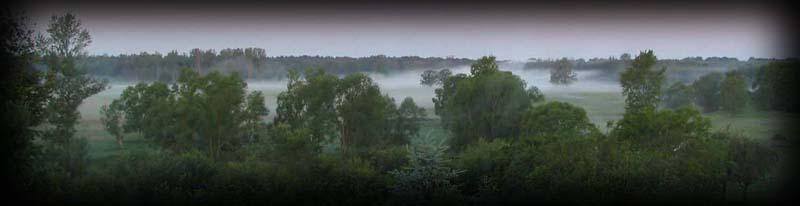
[(508, 31)]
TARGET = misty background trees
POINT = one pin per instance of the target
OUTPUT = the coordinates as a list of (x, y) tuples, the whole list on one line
[(249, 63), (562, 72)]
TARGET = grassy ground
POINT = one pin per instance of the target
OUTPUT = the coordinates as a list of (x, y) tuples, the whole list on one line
[(601, 107), (755, 124)]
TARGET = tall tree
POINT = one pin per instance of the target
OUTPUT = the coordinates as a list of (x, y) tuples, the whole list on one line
[(486, 103), (309, 102), (406, 122), (254, 110), (22, 98), (733, 92), (212, 112), (641, 85), (64, 44), (707, 90), (112, 120), (363, 112)]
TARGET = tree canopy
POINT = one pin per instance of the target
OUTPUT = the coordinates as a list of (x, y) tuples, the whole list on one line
[(484, 104)]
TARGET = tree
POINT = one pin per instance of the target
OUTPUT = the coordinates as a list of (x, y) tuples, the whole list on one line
[(678, 96), (214, 106), (254, 109), (112, 120), (431, 77), (641, 85), (625, 57), (562, 72), (774, 86), (535, 94), (486, 103), (733, 92), (406, 123), (22, 98), (148, 109), (211, 112), (65, 42), (363, 112), (352, 110), (557, 119), (707, 90), (310, 103)]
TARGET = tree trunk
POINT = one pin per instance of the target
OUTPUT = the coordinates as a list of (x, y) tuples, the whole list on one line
[(119, 142)]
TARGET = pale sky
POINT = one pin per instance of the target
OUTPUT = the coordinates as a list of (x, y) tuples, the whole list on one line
[(509, 32)]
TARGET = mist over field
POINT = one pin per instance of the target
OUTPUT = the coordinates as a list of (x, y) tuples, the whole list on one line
[(400, 85)]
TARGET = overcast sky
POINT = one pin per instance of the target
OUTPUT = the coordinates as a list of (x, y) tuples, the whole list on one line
[(508, 31)]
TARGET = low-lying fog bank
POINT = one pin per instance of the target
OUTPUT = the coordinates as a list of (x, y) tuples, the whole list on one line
[(401, 85)]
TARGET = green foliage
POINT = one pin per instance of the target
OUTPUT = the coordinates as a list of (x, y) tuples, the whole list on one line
[(664, 129), (562, 72), (750, 160), (733, 92), (112, 120), (289, 144), (254, 109), (388, 158), (707, 90), (147, 109), (310, 103), (363, 112), (212, 108), (428, 178), (556, 119), (678, 96), (484, 164), (484, 104), (641, 85), (209, 112), (535, 94), (774, 86), (352, 110), (406, 121), (22, 97), (67, 87)]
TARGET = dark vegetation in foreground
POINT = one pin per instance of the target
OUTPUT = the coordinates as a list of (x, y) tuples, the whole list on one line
[(340, 140)]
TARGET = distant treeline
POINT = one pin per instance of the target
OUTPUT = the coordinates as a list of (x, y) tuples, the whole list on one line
[(250, 63), (677, 69)]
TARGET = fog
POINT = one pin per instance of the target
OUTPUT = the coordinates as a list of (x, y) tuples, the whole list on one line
[(400, 85)]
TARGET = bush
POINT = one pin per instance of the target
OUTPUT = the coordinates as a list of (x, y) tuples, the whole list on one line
[(484, 164), (557, 119), (388, 159)]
